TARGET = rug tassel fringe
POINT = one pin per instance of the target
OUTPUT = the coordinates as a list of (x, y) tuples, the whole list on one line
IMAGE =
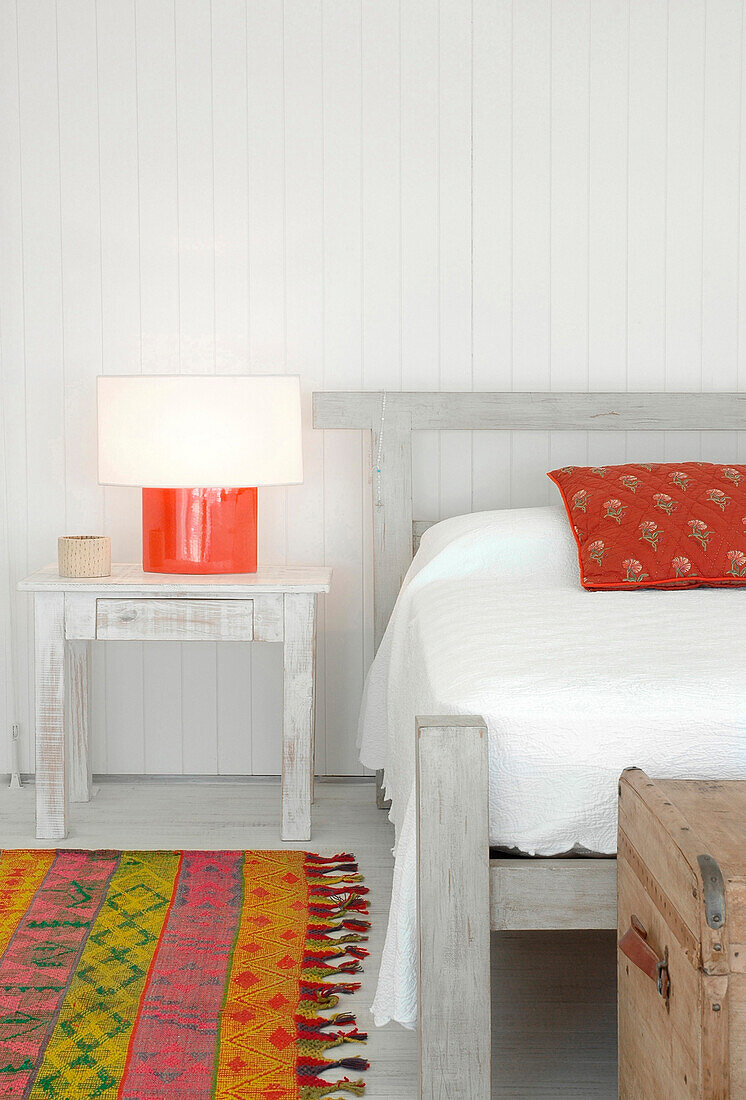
[(312, 858), (335, 894), (334, 905), (314, 1066), (338, 868), (317, 1089), (324, 954), (351, 924), (320, 970), (333, 891), (318, 1023), (319, 939)]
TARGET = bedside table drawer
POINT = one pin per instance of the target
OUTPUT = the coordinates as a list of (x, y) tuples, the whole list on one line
[(175, 620)]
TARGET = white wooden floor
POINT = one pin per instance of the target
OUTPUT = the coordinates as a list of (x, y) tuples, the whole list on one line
[(553, 994)]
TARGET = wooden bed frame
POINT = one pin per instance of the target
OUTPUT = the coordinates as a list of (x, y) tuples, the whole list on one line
[(462, 892)]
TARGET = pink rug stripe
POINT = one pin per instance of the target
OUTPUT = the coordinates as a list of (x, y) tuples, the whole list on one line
[(41, 958), (172, 1048)]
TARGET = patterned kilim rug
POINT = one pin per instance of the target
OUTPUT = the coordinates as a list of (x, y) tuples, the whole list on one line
[(175, 975)]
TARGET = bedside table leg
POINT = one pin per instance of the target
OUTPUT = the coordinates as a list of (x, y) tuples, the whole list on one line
[(49, 673), (79, 695), (297, 725)]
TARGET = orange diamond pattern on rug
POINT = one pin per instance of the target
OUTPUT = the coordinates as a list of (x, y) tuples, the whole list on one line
[(258, 1025)]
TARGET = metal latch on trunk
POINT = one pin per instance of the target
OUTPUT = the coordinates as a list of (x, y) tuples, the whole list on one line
[(634, 944)]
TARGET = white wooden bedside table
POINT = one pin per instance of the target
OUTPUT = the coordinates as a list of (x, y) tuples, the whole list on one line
[(273, 605)]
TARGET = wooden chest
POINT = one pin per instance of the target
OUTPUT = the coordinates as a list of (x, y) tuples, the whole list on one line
[(682, 938)]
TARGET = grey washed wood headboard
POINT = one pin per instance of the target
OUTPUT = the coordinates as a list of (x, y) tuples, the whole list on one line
[(393, 416)]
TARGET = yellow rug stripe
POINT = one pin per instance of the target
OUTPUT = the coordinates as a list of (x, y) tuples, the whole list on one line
[(21, 875), (85, 1057), (257, 1044)]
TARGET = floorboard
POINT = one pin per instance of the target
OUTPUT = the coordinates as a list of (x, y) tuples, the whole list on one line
[(553, 999)]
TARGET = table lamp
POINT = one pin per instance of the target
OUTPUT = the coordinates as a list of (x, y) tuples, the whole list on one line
[(199, 446)]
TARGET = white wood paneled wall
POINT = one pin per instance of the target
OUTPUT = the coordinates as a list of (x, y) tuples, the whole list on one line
[(414, 194)]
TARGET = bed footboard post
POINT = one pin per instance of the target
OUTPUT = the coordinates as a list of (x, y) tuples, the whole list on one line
[(453, 907)]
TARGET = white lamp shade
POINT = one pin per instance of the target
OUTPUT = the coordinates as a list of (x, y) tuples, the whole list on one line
[(185, 431)]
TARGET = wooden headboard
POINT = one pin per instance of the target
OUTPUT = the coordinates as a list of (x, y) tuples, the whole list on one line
[(392, 417)]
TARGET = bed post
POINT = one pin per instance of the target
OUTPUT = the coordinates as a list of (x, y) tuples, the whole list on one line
[(392, 524), (453, 908)]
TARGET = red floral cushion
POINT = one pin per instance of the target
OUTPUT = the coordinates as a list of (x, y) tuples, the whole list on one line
[(657, 525)]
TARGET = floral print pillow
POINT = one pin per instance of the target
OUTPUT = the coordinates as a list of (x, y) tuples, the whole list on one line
[(657, 525)]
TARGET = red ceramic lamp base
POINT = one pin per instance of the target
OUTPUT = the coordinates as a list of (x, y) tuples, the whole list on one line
[(199, 530)]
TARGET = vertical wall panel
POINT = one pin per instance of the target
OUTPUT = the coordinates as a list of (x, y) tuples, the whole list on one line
[(647, 211), (44, 404), (120, 329), (7, 657), (160, 303), (381, 201), (381, 213), (265, 118), (741, 379), (608, 142), (455, 194), (420, 242), (570, 179), (492, 237), (160, 337), (42, 272), (532, 38), (230, 181), (81, 258), (687, 47), (200, 719), (118, 146), (343, 368), (721, 194), (125, 694), (195, 173), (454, 230), (12, 393), (81, 206), (684, 169), (195, 177), (532, 150), (238, 712), (163, 709), (230, 692), (646, 169), (167, 294), (304, 287), (570, 185), (721, 212), (608, 146)]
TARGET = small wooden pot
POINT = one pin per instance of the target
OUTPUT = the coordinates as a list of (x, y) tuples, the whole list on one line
[(84, 555)]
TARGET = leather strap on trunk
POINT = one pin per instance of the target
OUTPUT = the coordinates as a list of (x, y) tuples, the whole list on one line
[(634, 944)]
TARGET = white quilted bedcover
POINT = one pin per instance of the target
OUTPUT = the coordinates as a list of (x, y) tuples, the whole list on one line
[(574, 687)]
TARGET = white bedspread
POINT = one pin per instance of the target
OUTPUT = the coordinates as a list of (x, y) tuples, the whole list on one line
[(574, 687)]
